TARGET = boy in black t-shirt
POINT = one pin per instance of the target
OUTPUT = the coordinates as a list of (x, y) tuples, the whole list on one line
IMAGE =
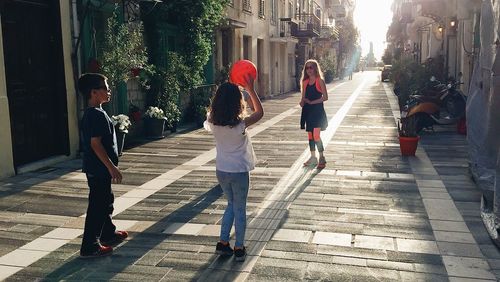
[(100, 160)]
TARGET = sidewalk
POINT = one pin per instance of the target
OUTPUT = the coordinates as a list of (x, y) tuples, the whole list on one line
[(370, 215), (448, 153)]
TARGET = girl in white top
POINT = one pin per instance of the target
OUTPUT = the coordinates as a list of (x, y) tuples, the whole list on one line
[(235, 158)]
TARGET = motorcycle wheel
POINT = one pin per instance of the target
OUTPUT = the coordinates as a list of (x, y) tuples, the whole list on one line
[(423, 120), (455, 106)]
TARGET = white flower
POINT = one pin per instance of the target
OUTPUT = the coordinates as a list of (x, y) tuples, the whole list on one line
[(122, 121), (155, 112)]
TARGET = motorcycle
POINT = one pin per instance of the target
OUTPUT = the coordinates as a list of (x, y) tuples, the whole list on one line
[(438, 104)]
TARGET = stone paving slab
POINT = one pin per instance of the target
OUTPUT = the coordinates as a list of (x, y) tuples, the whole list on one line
[(371, 215)]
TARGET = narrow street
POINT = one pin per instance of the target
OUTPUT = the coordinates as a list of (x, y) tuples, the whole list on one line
[(370, 215)]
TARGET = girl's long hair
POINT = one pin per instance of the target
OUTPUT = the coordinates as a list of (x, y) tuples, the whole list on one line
[(305, 76), (227, 106)]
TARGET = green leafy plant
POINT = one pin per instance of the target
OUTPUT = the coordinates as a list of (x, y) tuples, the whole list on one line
[(200, 100), (196, 22), (406, 74), (122, 50), (328, 65), (410, 76), (407, 127), (172, 114), (222, 75), (348, 38)]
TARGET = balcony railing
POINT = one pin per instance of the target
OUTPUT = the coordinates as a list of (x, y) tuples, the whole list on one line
[(433, 10), (286, 27), (328, 32), (309, 25), (406, 13)]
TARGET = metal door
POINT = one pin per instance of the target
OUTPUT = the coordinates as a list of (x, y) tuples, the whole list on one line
[(35, 79)]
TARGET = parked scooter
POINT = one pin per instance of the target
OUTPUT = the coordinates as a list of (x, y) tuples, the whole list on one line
[(439, 105)]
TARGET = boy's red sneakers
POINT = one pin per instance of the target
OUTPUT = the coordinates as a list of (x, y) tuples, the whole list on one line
[(101, 251), (118, 237)]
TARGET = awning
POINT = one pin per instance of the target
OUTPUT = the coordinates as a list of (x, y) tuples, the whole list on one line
[(236, 24)]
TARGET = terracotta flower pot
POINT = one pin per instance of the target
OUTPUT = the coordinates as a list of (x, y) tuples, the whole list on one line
[(408, 145)]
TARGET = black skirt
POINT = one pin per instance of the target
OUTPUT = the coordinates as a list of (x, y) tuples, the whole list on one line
[(313, 116)]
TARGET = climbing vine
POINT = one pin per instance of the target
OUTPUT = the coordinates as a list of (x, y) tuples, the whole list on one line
[(197, 21)]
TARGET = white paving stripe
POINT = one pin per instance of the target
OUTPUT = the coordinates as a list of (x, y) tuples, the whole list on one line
[(7, 271), (443, 210), (24, 256)]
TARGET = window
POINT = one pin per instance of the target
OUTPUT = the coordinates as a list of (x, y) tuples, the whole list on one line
[(262, 8), (247, 47), (247, 6), (290, 9), (291, 67), (227, 49)]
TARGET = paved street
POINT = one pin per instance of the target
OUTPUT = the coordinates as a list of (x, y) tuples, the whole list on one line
[(371, 215)]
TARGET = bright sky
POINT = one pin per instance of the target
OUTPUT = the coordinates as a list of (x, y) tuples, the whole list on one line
[(372, 18)]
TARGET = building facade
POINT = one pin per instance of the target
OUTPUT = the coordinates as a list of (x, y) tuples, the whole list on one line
[(46, 44), (278, 36), (445, 29)]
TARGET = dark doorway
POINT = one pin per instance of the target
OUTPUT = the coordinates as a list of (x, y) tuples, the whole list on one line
[(34, 71), (227, 50)]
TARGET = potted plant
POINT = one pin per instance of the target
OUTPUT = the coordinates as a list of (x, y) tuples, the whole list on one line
[(172, 115), (154, 122), (328, 66), (121, 123), (408, 138)]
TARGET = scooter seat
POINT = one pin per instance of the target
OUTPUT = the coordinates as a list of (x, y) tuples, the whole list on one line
[(425, 98), (435, 92)]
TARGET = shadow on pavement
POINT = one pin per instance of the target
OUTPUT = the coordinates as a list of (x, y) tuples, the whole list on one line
[(135, 248)]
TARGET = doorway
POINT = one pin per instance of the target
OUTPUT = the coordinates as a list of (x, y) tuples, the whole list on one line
[(34, 72)]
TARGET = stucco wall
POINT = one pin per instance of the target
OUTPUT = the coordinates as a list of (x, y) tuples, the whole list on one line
[(71, 95), (7, 163)]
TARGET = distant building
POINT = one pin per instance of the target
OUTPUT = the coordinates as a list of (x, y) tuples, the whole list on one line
[(370, 57)]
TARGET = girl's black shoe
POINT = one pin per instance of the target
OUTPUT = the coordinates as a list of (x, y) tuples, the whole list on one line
[(240, 254), (223, 250)]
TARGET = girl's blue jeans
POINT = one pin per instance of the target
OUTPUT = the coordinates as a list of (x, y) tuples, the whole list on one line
[(235, 186)]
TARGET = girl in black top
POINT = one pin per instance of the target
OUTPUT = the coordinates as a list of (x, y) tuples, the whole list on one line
[(313, 117)]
